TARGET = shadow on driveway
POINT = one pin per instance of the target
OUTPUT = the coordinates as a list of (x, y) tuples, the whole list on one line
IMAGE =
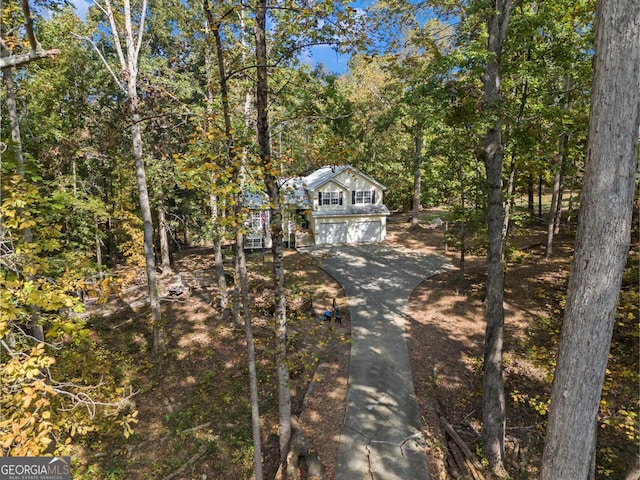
[(381, 437)]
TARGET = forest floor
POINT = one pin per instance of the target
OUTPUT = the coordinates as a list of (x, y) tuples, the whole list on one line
[(194, 413)]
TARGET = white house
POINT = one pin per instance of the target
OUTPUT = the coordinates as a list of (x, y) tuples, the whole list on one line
[(334, 204)]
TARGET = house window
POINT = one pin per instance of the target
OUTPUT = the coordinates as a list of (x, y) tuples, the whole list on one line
[(330, 198), (253, 242), (258, 220), (363, 197)]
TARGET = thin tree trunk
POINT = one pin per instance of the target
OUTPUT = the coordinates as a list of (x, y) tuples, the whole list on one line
[(602, 243), (509, 202), (16, 137), (98, 242), (552, 211), (164, 238), (241, 269), (540, 196), (417, 178), (284, 396), (493, 397), (147, 222), (558, 216), (555, 210), (530, 195), (75, 178), (7, 75), (213, 198), (562, 150), (240, 260), (131, 66), (129, 69), (571, 205), (463, 222), (218, 258)]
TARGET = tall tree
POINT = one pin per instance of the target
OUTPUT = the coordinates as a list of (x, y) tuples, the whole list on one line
[(295, 26), (9, 59), (128, 58), (235, 162), (602, 243), (493, 398), (271, 172)]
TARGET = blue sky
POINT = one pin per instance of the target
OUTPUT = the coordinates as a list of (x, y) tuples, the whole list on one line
[(333, 61), (81, 7), (322, 54)]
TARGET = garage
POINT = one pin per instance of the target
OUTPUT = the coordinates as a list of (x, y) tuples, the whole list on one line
[(367, 231), (332, 232)]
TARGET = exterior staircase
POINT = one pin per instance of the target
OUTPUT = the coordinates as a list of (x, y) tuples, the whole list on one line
[(304, 238)]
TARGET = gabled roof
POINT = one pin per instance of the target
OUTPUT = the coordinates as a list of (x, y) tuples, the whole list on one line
[(298, 192), (330, 172)]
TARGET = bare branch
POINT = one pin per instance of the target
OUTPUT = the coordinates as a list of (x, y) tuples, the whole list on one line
[(116, 36), (143, 15), (28, 23), (104, 61)]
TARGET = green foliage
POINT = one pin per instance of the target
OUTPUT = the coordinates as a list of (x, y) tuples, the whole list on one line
[(40, 399), (618, 415)]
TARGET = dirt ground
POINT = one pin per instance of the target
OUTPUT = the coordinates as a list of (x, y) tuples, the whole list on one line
[(446, 329), (193, 407)]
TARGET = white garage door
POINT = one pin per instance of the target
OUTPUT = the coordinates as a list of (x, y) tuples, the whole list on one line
[(332, 232), (369, 231)]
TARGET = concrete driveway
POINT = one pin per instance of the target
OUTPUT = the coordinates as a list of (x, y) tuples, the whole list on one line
[(381, 437)]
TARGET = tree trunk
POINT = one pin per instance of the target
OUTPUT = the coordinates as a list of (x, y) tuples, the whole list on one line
[(131, 67), (213, 198), (240, 260), (218, 258), (147, 222), (493, 398), (509, 202), (463, 222), (271, 183), (571, 205), (555, 210), (164, 238), (98, 242), (540, 196), (552, 212), (558, 215), (530, 196), (562, 150), (37, 331), (417, 178), (241, 269), (602, 242), (16, 137)]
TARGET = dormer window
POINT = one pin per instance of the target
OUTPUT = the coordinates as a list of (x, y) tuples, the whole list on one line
[(330, 198), (363, 197)]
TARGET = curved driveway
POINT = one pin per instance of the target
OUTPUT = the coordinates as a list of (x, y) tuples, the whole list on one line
[(381, 437)]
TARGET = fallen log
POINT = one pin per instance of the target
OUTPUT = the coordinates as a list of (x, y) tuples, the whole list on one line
[(187, 464), (471, 461), (459, 468)]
